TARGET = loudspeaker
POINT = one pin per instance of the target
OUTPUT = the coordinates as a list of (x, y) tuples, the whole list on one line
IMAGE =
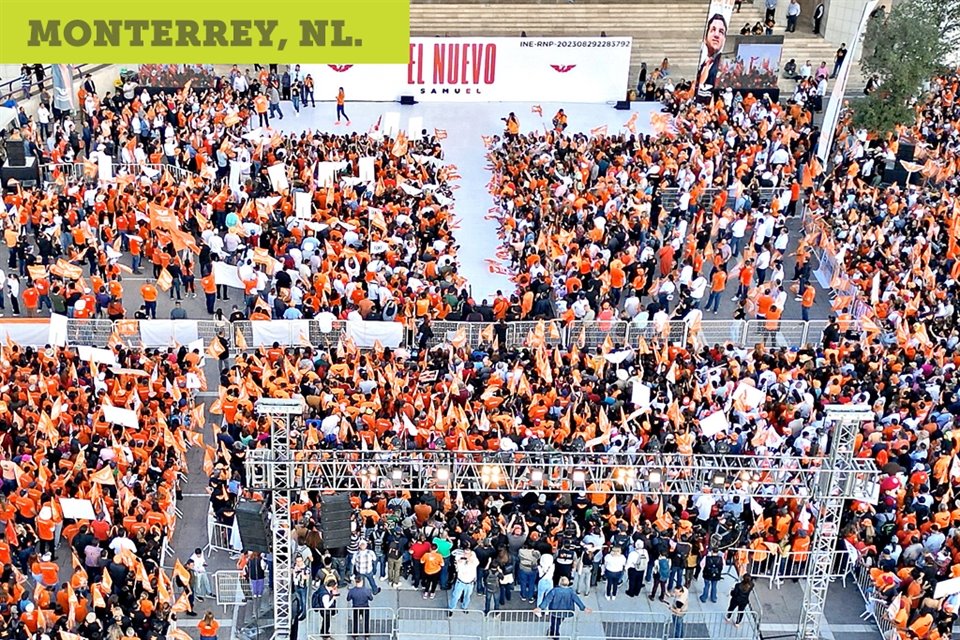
[(622, 105), (16, 155), (896, 175), (906, 151), (27, 175), (253, 528), (407, 100), (335, 512)]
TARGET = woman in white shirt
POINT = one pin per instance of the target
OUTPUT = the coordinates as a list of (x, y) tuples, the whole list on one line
[(613, 566)]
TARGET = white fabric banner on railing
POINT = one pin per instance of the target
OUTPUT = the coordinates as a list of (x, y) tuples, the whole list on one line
[(365, 334), (285, 332), (25, 332), (168, 333)]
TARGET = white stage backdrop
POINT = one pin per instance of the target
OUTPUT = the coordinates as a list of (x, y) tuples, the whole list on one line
[(488, 70)]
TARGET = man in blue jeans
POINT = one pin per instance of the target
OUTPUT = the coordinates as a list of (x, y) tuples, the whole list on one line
[(712, 572), (561, 601), (467, 563), (678, 562)]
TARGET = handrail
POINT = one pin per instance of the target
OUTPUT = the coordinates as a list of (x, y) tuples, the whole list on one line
[(9, 88)]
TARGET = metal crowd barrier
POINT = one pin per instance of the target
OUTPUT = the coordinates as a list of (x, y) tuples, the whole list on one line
[(407, 623), (231, 587), (583, 333), (776, 566), (874, 607)]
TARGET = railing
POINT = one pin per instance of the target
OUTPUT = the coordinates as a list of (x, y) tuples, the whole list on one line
[(406, 623), (81, 171), (231, 588), (585, 334), (775, 566), (875, 607), (671, 195), (13, 88)]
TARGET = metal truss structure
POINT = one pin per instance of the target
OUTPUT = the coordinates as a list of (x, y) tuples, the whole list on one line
[(284, 416), (825, 481)]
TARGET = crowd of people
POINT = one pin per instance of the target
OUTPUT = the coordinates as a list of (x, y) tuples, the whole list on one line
[(589, 235), (378, 247), (88, 498)]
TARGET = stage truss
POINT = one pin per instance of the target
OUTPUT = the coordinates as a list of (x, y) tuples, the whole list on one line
[(286, 469)]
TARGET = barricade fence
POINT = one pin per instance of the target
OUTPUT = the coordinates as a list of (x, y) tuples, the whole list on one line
[(874, 607), (585, 334), (774, 565), (405, 623)]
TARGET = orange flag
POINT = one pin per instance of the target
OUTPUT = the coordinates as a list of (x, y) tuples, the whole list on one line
[(181, 572), (103, 476), (182, 604), (165, 281)]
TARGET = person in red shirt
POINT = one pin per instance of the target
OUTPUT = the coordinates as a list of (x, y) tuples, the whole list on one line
[(31, 298), (746, 277)]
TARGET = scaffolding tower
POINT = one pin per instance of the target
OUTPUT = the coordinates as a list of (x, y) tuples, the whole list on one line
[(287, 468)]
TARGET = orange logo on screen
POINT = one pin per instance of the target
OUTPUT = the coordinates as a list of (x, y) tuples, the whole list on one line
[(339, 68), (562, 68)]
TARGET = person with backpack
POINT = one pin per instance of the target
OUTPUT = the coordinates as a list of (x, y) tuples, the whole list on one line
[(325, 599), (637, 562), (394, 560), (661, 575), (712, 572)]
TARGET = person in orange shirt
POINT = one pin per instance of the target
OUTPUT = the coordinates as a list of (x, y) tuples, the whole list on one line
[(340, 112), (31, 298), (432, 563), (746, 277), (806, 302), (260, 105), (718, 282), (208, 627), (209, 286), (149, 293)]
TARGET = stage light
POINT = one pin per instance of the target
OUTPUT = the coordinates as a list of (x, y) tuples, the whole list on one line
[(625, 476), (490, 474), (536, 477), (719, 479), (655, 478), (579, 476), (443, 475), (396, 475)]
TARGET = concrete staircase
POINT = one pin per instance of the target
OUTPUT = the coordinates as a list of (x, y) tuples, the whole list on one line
[(659, 29)]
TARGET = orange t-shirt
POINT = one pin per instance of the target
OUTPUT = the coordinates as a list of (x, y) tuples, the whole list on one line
[(432, 562)]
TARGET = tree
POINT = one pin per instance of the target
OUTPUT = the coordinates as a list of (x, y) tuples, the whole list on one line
[(902, 50)]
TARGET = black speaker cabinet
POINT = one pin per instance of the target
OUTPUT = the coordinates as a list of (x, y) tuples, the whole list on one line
[(622, 105), (906, 151), (407, 100), (253, 528), (335, 512), (16, 154)]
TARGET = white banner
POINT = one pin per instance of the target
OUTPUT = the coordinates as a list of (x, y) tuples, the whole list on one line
[(168, 333), (285, 332), (365, 334), (25, 332), (831, 115), (491, 70), (227, 274)]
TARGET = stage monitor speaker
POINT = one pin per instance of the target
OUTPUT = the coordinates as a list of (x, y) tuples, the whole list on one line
[(622, 105), (16, 155), (906, 151), (253, 529), (27, 175), (335, 512), (407, 100)]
